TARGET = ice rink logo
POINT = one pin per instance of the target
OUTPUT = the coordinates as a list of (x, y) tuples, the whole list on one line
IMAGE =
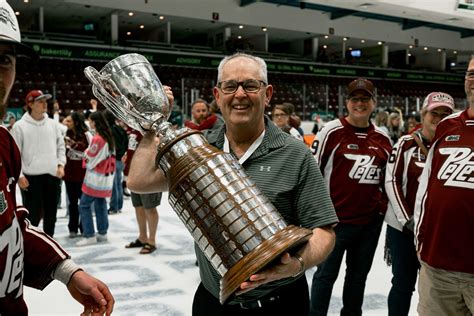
[(364, 169), (458, 168)]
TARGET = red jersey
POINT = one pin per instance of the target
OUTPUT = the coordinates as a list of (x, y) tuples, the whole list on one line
[(73, 171), (444, 211), (134, 138), (27, 256), (402, 178), (352, 161)]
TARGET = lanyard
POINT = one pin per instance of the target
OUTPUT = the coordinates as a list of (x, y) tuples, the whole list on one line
[(249, 151)]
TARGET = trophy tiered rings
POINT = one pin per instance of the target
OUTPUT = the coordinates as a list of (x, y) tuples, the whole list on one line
[(234, 224)]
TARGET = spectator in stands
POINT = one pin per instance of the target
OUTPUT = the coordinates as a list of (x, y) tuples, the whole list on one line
[(78, 138), (395, 125), (31, 258), (281, 118), (352, 155), (295, 120), (413, 123), (242, 94), (145, 204), (401, 183), (214, 108), (201, 117), (381, 121), (43, 155), (121, 145), (99, 160), (11, 122), (444, 215)]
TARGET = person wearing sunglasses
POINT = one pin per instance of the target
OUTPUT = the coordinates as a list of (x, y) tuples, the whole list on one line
[(296, 189), (352, 154), (444, 215), (401, 183)]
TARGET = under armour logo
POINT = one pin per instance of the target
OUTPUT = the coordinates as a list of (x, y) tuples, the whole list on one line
[(265, 168)]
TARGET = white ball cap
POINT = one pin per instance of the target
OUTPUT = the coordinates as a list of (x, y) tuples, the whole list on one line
[(10, 30)]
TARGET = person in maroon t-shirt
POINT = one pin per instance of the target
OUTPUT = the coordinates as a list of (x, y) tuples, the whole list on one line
[(444, 215), (352, 154), (202, 118), (401, 183), (28, 256)]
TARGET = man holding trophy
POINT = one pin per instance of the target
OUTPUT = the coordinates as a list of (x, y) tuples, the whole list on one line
[(282, 168)]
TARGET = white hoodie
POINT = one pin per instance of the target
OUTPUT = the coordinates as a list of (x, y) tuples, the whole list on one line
[(41, 145)]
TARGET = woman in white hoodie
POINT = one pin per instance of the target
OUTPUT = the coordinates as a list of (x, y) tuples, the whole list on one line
[(43, 156)]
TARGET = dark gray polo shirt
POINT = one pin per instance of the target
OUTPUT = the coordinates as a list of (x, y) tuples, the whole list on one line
[(286, 172)]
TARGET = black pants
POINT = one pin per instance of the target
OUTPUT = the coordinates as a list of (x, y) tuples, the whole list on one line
[(293, 299), (41, 198), (74, 193), (405, 267), (358, 242)]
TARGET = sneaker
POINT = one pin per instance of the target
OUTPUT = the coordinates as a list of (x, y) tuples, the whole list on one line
[(73, 235), (86, 241), (112, 212), (126, 192), (101, 238)]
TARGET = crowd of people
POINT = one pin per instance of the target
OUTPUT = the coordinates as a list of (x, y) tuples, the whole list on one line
[(356, 175)]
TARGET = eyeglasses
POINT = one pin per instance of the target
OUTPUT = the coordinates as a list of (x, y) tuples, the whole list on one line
[(249, 86), (362, 99), (470, 75)]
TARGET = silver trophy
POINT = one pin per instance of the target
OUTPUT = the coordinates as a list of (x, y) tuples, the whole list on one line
[(234, 224)]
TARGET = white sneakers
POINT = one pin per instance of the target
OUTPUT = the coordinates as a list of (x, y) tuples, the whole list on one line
[(86, 241), (101, 238)]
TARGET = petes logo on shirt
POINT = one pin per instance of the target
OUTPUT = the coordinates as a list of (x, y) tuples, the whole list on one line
[(458, 168), (364, 169)]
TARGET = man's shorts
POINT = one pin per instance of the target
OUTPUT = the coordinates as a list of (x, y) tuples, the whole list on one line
[(150, 200)]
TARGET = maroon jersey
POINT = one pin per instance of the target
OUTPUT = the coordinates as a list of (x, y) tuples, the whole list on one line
[(27, 256), (134, 138), (75, 147), (352, 161), (402, 178), (444, 209)]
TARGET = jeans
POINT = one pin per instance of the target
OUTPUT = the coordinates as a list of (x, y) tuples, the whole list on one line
[(359, 243), (405, 266), (101, 216), (116, 201)]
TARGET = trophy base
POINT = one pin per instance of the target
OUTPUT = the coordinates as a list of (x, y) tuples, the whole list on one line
[(284, 240)]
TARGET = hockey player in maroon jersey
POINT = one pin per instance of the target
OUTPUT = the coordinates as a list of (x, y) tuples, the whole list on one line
[(352, 154), (444, 216), (28, 256), (401, 183)]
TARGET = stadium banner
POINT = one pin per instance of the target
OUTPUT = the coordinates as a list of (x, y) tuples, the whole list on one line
[(186, 59)]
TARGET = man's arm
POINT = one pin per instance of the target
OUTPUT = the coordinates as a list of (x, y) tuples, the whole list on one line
[(144, 176), (315, 251)]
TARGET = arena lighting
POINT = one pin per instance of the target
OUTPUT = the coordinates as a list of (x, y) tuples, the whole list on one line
[(325, 46), (410, 47), (241, 26), (130, 13), (239, 37), (344, 39), (453, 64), (379, 43), (326, 36), (264, 29), (26, 1), (439, 50), (425, 48), (350, 48), (162, 17), (362, 41), (129, 33), (17, 13), (142, 26), (455, 52)]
